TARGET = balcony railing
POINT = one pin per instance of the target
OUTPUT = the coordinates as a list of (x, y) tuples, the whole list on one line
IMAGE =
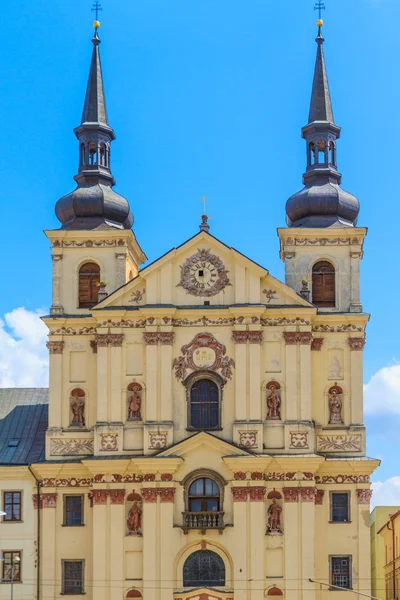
[(203, 520)]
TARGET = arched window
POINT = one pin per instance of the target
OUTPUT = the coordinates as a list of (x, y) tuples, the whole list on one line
[(204, 569), (89, 280), (134, 594), (204, 496), (204, 405), (323, 284)]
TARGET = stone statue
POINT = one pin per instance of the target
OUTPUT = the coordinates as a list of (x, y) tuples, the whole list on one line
[(134, 520), (274, 517), (78, 410), (135, 404), (273, 403), (335, 407)]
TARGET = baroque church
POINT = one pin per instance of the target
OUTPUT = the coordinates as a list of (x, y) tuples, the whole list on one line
[(202, 437)]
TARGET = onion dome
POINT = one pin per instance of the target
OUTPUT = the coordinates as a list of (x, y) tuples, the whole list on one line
[(94, 204)]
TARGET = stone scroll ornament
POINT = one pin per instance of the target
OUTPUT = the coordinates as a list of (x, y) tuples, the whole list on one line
[(204, 274), (204, 352), (273, 401)]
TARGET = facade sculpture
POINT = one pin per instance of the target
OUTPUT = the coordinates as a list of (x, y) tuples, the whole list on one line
[(134, 520), (274, 517), (134, 402), (335, 405), (273, 401), (78, 408)]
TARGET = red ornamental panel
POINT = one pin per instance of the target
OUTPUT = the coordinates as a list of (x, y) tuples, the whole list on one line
[(319, 497), (166, 494), (257, 476), (239, 476), (364, 496), (291, 494), (239, 337), (357, 343), (316, 344), (149, 494), (99, 497), (44, 500), (149, 477), (166, 477), (307, 494), (257, 494), (297, 337), (239, 494), (117, 496)]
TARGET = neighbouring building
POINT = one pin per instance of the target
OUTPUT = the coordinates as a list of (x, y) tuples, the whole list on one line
[(205, 434), (379, 517), (387, 565)]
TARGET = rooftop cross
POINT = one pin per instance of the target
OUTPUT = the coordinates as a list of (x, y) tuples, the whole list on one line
[(97, 8), (319, 6)]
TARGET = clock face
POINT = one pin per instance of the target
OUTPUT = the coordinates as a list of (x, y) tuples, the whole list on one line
[(203, 274)]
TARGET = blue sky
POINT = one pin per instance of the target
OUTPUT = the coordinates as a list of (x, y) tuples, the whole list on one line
[(206, 97)]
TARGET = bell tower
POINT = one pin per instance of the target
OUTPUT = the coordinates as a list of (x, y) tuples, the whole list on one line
[(95, 251), (322, 245)]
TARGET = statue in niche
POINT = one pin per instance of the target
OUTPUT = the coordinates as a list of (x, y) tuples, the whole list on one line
[(273, 401), (274, 517), (335, 405), (78, 408), (134, 520), (134, 402)]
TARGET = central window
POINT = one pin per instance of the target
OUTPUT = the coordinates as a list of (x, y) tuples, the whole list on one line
[(204, 405), (204, 569), (204, 496)]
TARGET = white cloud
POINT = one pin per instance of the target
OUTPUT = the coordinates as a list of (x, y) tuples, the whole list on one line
[(23, 355), (386, 493), (383, 389)]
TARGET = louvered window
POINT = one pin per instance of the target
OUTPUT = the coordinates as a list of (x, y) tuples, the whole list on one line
[(323, 284), (89, 279)]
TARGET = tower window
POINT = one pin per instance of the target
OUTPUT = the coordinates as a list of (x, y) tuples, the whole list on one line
[(204, 496), (89, 280), (204, 405), (204, 569), (323, 284), (92, 153)]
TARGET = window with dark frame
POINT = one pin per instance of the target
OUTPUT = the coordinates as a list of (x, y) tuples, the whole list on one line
[(204, 405), (72, 572), (12, 506), (11, 566), (89, 280), (204, 568), (340, 507), (204, 496), (340, 571), (73, 510), (323, 284)]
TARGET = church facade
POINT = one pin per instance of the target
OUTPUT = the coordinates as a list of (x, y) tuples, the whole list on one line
[(205, 434)]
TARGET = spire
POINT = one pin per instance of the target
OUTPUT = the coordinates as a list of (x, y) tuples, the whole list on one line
[(94, 204), (94, 110), (321, 105), (322, 202)]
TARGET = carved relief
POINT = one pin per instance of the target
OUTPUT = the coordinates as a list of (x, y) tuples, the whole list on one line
[(291, 494), (109, 339), (316, 344), (256, 494), (134, 520), (357, 343), (239, 494), (339, 443), (88, 243), (335, 363), (166, 494), (166, 477), (67, 482), (204, 274), (322, 241), (342, 479), (55, 347), (203, 352), (99, 497), (44, 500), (135, 394), (298, 439), (93, 345), (248, 439), (136, 296), (72, 331), (117, 496), (253, 337), (109, 442), (77, 404), (256, 476), (149, 494), (319, 497), (308, 494), (66, 447), (335, 396), (285, 321), (279, 476), (273, 401), (151, 338), (364, 496), (239, 476), (270, 295), (297, 337), (337, 328), (157, 440)]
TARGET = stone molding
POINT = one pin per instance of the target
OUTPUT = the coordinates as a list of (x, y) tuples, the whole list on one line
[(89, 243), (316, 344), (342, 479), (109, 339), (55, 347), (308, 494), (337, 328), (256, 493), (318, 241), (93, 345), (357, 343), (242, 337), (165, 494), (291, 494), (304, 494), (364, 496), (44, 500), (297, 337), (117, 496)]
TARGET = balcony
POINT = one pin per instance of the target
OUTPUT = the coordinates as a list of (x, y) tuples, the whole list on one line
[(203, 521)]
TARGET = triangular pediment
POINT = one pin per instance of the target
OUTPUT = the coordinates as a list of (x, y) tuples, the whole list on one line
[(203, 441), (203, 272)]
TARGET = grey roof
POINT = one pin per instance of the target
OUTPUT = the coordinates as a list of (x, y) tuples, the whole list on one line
[(23, 423), (321, 105), (94, 110)]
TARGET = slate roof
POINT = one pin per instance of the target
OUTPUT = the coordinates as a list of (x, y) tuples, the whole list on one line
[(23, 423)]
